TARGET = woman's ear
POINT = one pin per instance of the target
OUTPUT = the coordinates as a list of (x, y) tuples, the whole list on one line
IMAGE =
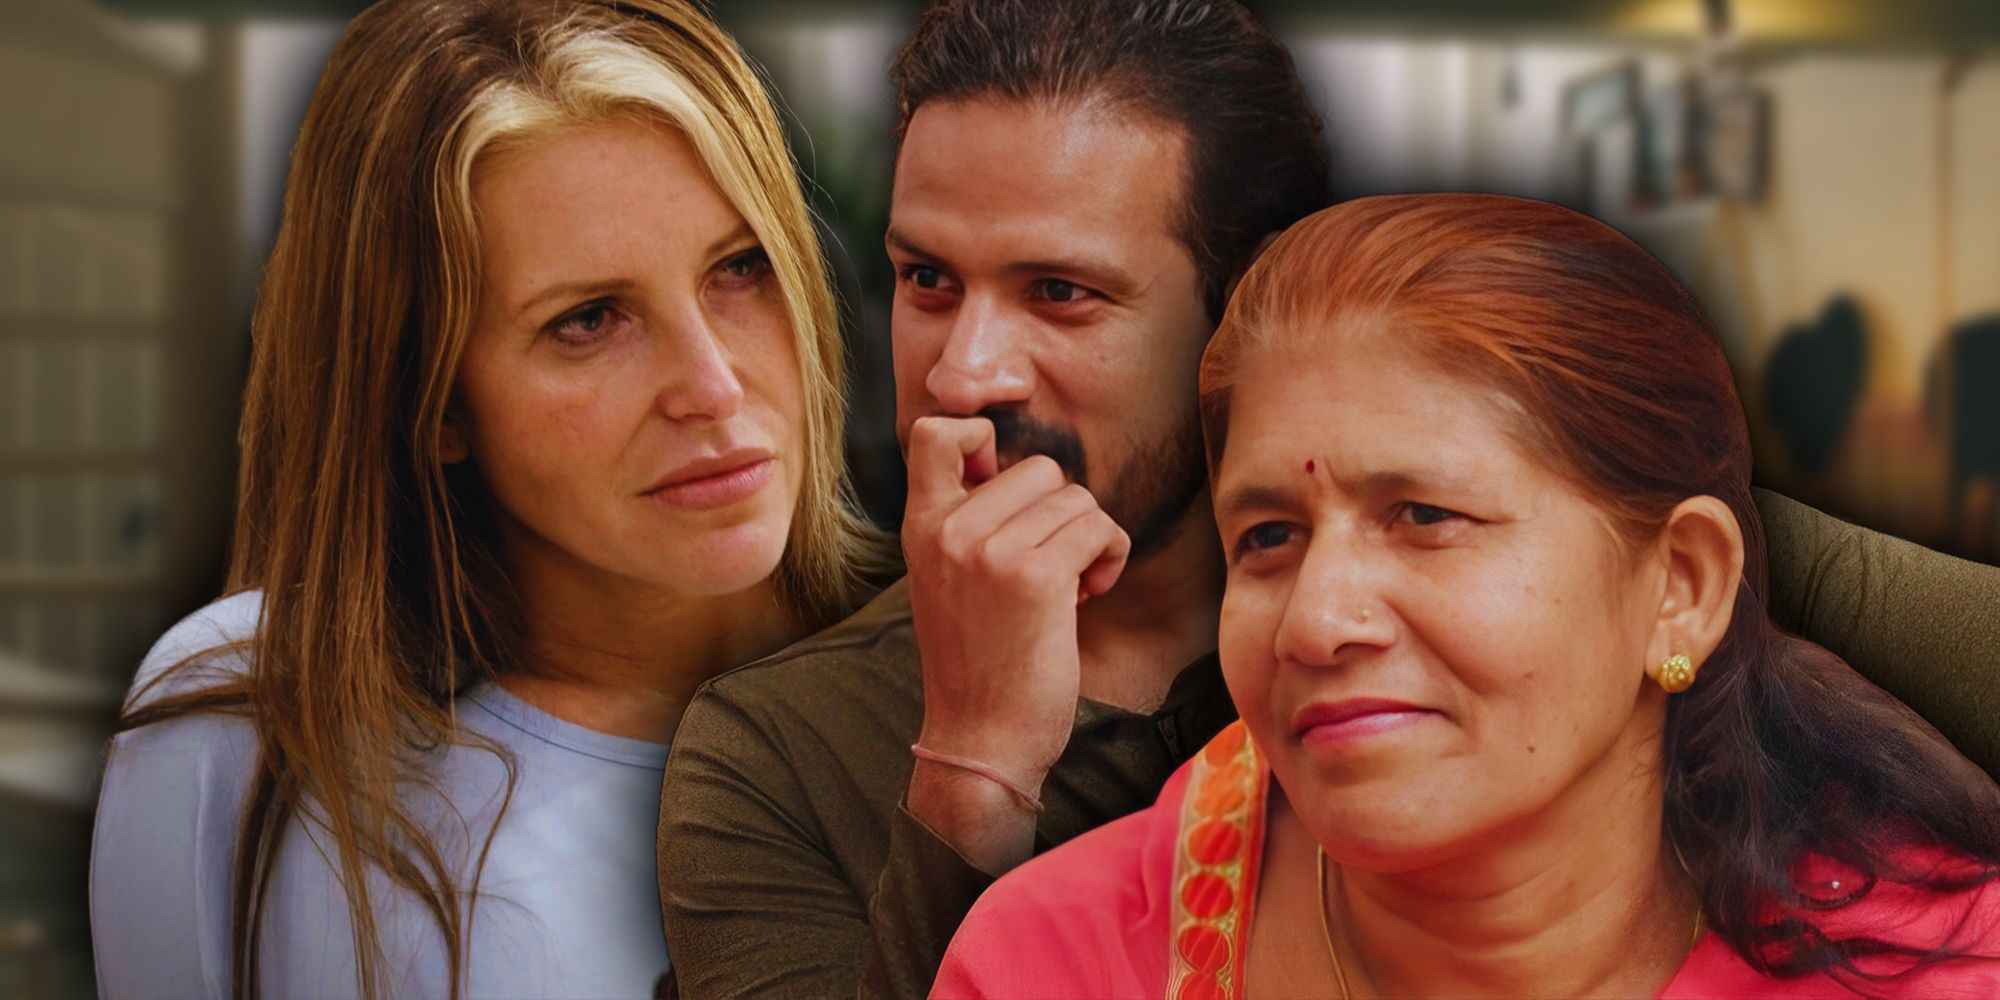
[(1702, 546), (452, 445)]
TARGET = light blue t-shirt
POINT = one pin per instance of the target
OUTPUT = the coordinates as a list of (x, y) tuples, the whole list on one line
[(568, 902)]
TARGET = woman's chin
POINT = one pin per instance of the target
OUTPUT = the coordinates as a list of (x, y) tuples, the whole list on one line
[(1383, 829), (727, 560)]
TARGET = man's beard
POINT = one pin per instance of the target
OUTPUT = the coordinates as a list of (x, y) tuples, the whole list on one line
[(1147, 496)]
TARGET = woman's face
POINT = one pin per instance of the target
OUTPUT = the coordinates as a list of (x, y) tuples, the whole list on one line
[(630, 395), (1430, 633)]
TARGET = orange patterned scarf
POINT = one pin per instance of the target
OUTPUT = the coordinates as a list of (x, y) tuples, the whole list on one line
[(1215, 868)]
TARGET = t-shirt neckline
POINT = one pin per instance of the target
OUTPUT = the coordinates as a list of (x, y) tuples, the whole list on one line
[(515, 711)]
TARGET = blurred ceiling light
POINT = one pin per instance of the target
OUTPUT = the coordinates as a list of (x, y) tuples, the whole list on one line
[(1816, 20), (1661, 17)]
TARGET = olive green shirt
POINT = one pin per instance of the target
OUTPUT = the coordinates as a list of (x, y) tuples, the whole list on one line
[(789, 868)]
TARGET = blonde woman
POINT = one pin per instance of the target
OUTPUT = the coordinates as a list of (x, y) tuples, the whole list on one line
[(542, 431)]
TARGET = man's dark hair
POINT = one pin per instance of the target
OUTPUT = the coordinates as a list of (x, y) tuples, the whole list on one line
[(1255, 160)]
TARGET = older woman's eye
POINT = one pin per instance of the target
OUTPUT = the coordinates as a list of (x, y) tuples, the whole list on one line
[(1423, 514), (1267, 535)]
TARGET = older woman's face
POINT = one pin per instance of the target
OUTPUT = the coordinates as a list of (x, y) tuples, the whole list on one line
[(630, 394), (1430, 633)]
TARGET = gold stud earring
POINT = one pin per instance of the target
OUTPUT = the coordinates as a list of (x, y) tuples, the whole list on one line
[(1676, 673)]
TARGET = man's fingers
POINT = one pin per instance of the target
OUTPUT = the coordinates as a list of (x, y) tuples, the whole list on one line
[(1031, 524), (1093, 548), (1108, 566), (1024, 486), (949, 455)]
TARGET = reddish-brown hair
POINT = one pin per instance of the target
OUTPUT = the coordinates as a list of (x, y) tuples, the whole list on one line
[(1612, 370)]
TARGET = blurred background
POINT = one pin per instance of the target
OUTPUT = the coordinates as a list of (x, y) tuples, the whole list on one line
[(1822, 172)]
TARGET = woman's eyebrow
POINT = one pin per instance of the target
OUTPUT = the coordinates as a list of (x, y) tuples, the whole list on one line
[(587, 288), (1444, 482), (736, 235), (1236, 500)]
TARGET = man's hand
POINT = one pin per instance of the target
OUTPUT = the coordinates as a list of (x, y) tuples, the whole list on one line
[(998, 562)]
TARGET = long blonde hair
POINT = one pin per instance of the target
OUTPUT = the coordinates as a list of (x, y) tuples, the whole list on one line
[(384, 592)]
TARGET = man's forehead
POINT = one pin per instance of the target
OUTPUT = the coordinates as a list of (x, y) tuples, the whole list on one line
[(989, 172)]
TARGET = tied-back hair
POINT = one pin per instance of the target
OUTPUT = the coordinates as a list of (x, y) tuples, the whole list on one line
[(384, 593), (1255, 161), (1779, 754)]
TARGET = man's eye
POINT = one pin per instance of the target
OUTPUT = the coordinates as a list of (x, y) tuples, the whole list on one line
[(1268, 535), (1057, 290), (928, 278)]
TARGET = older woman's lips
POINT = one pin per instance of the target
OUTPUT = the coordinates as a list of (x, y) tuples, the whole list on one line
[(712, 483), (1338, 723)]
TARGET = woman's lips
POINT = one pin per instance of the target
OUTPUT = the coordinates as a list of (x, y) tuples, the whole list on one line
[(710, 486), (1339, 723)]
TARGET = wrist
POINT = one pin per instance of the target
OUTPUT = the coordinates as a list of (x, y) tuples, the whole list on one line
[(1019, 761), (1030, 799), (984, 821)]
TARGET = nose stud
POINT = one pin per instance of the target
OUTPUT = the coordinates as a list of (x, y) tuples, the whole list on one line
[(1363, 616)]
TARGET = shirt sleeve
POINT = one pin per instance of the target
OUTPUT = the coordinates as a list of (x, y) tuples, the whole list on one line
[(752, 901), (155, 888), (1921, 625), (166, 823), (925, 891)]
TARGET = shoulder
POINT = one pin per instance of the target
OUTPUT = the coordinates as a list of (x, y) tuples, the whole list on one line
[(1079, 879), (211, 751), (1958, 914), (1126, 862), (208, 646), (873, 644), (1896, 921), (1928, 898), (808, 742), (1074, 910), (857, 679), (1094, 912), (169, 805)]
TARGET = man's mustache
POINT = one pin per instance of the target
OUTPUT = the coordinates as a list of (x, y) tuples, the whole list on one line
[(1016, 436)]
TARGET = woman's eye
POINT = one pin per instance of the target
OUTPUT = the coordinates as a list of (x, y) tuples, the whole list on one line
[(1268, 535), (1423, 514), (583, 325), (748, 267)]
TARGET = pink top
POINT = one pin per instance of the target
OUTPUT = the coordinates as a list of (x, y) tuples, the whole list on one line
[(1157, 905)]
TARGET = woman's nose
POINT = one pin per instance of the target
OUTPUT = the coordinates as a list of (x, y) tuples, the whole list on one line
[(1336, 608), (698, 381)]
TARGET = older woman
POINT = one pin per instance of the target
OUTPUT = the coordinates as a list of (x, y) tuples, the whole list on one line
[(1514, 719), (542, 431)]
